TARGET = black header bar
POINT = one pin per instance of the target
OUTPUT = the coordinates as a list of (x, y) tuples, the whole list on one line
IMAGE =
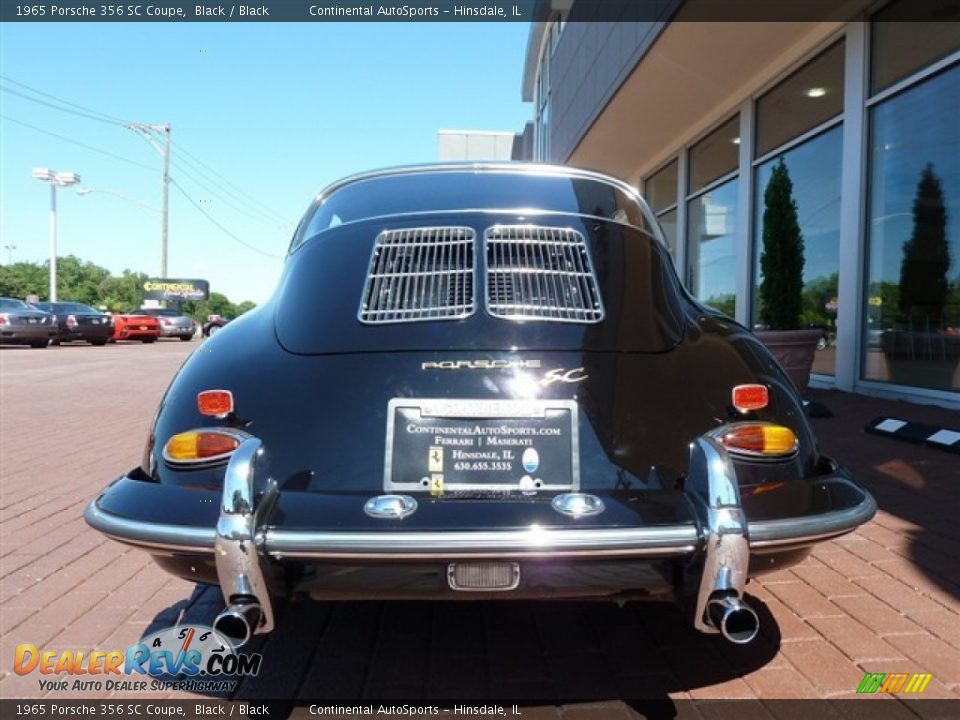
[(322, 11)]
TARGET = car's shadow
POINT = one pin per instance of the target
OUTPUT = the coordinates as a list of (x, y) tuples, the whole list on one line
[(530, 653)]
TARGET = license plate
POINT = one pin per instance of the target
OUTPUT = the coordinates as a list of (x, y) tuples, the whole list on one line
[(143, 327), (448, 446), (32, 321)]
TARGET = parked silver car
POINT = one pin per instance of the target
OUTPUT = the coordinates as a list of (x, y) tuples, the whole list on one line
[(21, 324), (173, 323)]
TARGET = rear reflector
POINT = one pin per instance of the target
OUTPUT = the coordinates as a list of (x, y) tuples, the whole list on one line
[(216, 403), (750, 397), (760, 439), (200, 446)]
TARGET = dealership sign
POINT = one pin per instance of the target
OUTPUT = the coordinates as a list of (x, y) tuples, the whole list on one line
[(166, 289)]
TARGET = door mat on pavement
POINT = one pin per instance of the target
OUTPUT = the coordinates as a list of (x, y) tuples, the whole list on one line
[(917, 433)]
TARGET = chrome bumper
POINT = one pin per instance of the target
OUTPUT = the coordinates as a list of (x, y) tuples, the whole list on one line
[(723, 539)]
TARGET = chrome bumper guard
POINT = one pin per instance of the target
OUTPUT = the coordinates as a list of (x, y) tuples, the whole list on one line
[(241, 545)]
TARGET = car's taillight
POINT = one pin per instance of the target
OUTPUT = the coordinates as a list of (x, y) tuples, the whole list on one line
[(71, 321), (166, 322), (201, 446), (759, 440), (216, 403), (750, 397), (3, 319)]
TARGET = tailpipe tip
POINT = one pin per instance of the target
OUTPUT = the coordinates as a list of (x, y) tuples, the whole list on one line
[(735, 620)]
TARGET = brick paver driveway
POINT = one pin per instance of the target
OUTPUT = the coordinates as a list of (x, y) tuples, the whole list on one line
[(884, 599)]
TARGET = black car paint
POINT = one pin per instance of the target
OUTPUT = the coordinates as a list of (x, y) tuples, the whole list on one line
[(92, 326), (313, 384)]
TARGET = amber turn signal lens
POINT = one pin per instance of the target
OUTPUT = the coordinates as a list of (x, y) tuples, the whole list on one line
[(761, 439), (217, 403), (199, 445), (750, 397)]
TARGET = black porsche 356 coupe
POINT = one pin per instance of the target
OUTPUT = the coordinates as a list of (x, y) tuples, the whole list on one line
[(479, 381)]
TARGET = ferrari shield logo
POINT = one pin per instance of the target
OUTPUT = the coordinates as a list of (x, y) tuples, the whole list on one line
[(435, 459)]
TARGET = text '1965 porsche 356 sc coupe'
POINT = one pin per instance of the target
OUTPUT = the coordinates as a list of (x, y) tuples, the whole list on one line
[(481, 381)]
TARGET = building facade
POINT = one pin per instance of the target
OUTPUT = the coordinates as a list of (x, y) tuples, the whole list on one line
[(478, 145), (862, 113)]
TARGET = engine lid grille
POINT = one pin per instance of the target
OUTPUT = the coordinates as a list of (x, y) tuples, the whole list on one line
[(420, 274), (540, 273)]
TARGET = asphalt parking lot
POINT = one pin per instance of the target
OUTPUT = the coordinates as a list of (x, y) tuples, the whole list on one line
[(884, 599)]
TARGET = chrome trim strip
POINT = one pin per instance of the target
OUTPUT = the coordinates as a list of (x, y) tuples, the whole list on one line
[(534, 542), (811, 528), (519, 168), (152, 536)]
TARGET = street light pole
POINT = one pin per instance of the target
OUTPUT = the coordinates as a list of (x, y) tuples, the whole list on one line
[(56, 179), (10, 248), (53, 241)]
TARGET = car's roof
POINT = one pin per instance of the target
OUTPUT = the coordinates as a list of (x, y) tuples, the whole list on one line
[(519, 168)]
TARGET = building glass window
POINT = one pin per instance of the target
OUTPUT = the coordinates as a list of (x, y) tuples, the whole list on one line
[(716, 155), (661, 192), (806, 99), (814, 171), (912, 313), (711, 238), (902, 43)]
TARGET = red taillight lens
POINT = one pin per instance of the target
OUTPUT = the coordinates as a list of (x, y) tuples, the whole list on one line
[(750, 397), (216, 403), (3, 319), (71, 321), (200, 446), (760, 439)]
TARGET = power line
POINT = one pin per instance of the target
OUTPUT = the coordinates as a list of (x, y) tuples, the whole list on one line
[(194, 175), (199, 167), (62, 101), (77, 142), (246, 196), (78, 113), (221, 227)]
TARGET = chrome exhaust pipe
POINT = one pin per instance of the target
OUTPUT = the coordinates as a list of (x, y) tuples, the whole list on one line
[(735, 620), (238, 622)]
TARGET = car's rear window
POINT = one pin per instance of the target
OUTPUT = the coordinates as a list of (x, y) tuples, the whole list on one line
[(73, 307), (13, 304), (457, 191)]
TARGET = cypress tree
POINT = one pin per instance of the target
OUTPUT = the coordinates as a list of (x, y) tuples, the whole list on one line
[(781, 261), (926, 255)]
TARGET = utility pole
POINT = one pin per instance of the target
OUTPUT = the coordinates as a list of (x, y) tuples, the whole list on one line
[(166, 200), (146, 131)]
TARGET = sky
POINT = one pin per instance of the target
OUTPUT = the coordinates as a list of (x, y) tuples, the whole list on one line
[(263, 117)]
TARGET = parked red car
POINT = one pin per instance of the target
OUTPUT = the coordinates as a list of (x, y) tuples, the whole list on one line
[(135, 326)]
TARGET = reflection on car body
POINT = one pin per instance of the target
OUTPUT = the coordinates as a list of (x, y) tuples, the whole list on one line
[(481, 381)]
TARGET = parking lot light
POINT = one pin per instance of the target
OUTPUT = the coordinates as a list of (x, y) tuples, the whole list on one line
[(56, 179)]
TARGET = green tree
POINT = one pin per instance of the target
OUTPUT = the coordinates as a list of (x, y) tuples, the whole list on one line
[(926, 255), (781, 261), (245, 306), (79, 280), (122, 293), (24, 278)]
